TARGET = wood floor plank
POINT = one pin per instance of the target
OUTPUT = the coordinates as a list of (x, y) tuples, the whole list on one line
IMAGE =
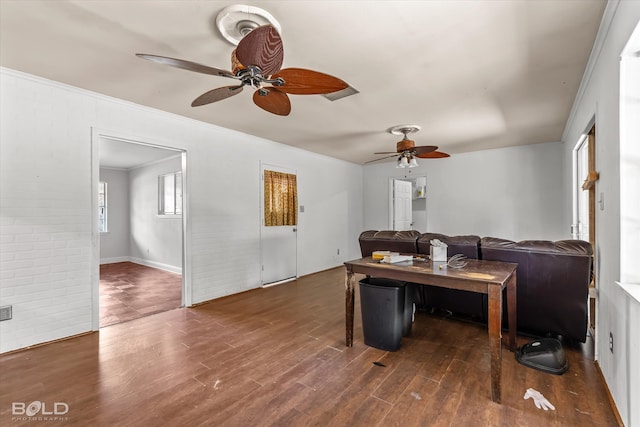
[(130, 291), (410, 404), (277, 357), (403, 371)]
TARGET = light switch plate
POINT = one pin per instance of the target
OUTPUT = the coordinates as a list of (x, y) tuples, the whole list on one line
[(601, 201)]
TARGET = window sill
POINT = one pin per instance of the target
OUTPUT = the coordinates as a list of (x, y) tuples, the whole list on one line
[(632, 289), (169, 216)]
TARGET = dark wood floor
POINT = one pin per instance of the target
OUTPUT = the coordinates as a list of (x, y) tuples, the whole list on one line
[(129, 291), (276, 356)]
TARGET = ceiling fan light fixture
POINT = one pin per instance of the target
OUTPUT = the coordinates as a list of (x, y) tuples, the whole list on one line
[(403, 162), (406, 149), (236, 21)]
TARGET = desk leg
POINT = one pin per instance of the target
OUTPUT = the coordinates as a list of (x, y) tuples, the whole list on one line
[(512, 311), (349, 303), (495, 340)]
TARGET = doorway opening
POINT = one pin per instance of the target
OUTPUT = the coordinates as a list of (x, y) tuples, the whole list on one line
[(585, 178), (141, 217), (408, 203)]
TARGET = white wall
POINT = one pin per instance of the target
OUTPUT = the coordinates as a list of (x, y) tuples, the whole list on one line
[(511, 193), (47, 244), (154, 240), (599, 97), (114, 244)]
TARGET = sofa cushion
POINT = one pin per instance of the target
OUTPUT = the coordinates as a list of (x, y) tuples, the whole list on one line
[(388, 240), (564, 247)]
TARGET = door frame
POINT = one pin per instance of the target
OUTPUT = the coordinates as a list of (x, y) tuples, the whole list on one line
[(579, 187), (96, 136)]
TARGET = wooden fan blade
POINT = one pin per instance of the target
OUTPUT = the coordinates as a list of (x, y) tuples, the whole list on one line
[(216, 95), (386, 152), (262, 47), (185, 65), (433, 155), (381, 158), (275, 102), (299, 81), (424, 149)]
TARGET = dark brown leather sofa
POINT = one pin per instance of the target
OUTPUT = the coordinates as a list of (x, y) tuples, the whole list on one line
[(552, 278), (552, 281)]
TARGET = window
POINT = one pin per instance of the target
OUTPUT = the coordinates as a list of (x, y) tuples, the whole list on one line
[(102, 206), (280, 199), (170, 194), (629, 161)]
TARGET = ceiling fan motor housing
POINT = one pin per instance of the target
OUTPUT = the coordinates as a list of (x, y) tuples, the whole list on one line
[(404, 145)]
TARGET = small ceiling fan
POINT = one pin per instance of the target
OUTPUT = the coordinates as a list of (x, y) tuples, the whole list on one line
[(406, 149), (256, 62)]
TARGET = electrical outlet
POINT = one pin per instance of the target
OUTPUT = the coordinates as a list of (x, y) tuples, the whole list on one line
[(338, 251), (6, 312), (611, 342)]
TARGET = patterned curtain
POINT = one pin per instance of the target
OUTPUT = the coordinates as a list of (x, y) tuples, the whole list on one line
[(280, 199)]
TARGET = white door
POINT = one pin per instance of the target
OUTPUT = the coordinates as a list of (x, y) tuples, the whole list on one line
[(402, 209), (278, 244)]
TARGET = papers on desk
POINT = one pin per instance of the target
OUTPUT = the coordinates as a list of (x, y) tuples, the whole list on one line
[(379, 255), (390, 257), (396, 257)]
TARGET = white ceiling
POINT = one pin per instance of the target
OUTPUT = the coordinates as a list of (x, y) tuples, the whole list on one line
[(123, 155), (473, 74)]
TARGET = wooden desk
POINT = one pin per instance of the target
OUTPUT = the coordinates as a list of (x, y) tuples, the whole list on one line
[(486, 277)]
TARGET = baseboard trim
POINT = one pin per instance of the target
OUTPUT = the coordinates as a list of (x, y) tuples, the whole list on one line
[(145, 262), (198, 304), (322, 271), (70, 337), (114, 260), (609, 395), (158, 265), (279, 282)]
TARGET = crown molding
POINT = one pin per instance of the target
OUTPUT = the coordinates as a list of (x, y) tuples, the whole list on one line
[(605, 24)]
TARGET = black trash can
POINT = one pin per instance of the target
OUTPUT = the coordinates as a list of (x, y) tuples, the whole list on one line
[(382, 304), (409, 308)]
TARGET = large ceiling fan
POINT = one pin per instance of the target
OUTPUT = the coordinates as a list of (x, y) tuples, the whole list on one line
[(256, 62), (406, 149)]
